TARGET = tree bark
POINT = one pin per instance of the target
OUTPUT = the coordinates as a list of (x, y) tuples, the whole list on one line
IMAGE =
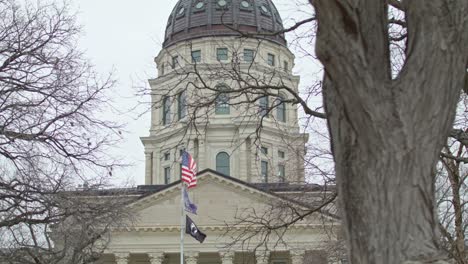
[(387, 133)]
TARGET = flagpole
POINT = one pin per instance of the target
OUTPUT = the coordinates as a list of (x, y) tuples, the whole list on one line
[(182, 222)]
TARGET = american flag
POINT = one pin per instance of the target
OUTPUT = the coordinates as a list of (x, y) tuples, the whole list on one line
[(189, 170)]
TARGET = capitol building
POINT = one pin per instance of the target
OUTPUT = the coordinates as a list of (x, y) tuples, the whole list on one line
[(224, 93)]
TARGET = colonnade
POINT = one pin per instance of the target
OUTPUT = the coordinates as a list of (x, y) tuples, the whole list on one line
[(227, 257)]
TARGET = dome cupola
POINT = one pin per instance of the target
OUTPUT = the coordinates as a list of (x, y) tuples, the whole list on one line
[(193, 19)]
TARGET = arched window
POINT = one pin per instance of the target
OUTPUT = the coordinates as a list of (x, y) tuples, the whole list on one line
[(222, 163), (166, 107), (222, 101), (181, 105), (281, 109)]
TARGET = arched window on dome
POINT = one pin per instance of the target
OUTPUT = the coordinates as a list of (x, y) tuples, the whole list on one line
[(199, 6), (280, 109), (222, 4), (222, 100), (223, 163)]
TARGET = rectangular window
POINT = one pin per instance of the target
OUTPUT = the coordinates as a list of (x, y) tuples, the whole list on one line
[(223, 163), (280, 109), (264, 150), (167, 175), (181, 105), (281, 173), (222, 102), (248, 55), (264, 171), (281, 154), (166, 107), (285, 66), (222, 54), (162, 68), (263, 106), (167, 156), (271, 59), (196, 56), (222, 105), (175, 62)]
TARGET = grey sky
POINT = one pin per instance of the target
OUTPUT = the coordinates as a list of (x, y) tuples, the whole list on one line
[(124, 36)]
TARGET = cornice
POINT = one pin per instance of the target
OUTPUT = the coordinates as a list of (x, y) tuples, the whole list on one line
[(176, 229), (207, 68)]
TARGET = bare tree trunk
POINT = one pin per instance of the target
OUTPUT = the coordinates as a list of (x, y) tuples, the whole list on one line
[(387, 133)]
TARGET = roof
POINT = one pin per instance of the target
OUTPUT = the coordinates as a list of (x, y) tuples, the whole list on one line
[(191, 19), (308, 195), (276, 187)]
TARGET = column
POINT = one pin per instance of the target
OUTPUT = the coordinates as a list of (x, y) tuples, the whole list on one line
[(156, 257), (156, 116), (242, 159), (157, 175), (202, 156), (297, 256), (333, 259), (248, 162), (227, 257), (191, 257), (122, 257), (262, 256), (148, 167)]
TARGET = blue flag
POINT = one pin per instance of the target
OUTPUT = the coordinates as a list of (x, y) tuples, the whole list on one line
[(189, 206)]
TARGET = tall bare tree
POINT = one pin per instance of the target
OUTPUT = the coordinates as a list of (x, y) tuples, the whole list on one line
[(452, 197), (52, 138), (387, 132), (452, 191)]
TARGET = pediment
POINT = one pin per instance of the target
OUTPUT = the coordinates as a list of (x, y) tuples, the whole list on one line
[(220, 201)]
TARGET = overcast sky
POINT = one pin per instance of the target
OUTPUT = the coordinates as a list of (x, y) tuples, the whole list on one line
[(124, 36)]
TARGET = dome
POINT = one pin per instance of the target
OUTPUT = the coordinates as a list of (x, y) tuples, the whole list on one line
[(193, 19)]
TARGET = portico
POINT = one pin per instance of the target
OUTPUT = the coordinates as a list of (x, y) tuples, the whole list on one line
[(154, 237)]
